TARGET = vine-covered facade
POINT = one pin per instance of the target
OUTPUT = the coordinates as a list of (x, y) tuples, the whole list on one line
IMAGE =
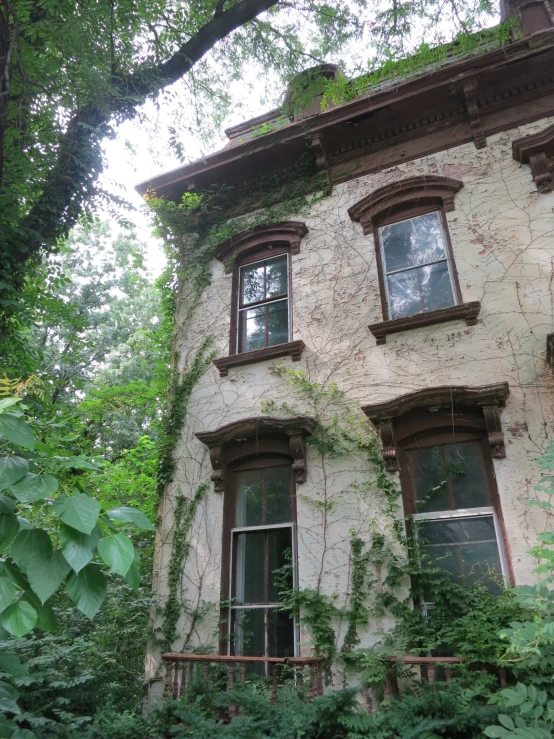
[(372, 266)]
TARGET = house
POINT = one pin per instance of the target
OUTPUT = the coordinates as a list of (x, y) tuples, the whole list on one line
[(374, 271)]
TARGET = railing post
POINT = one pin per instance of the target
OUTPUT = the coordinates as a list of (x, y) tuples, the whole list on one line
[(448, 674), (274, 675), (298, 677), (389, 688), (168, 682), (431, 673), (230, 683), (502, 676), (206, 671), (176, 666)]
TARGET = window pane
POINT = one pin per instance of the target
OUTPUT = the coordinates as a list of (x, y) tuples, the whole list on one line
[(436, 286), (250, 567), (252, 329), (466, 470), (429, 476), (280, 633), (279, 556), (276, 276), (249, 629), (249, 498), (278, 322), (415, 241), (252, 283), (465, 547), (278, 490), (419, 290)]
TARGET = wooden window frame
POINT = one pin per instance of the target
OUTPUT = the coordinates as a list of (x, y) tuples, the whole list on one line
[(403, 215), (267, 460), (257, 244), (398, 201)]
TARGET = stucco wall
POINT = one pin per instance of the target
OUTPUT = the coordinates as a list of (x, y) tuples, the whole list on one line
[(502, 238)]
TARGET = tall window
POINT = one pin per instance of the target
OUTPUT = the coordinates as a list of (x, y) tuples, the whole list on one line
[(262, 560), (417, 266), (454, 511), (263, 304)]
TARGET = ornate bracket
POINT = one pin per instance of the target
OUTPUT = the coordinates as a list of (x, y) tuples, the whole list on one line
[(251, 436), (494, 431), (490, 398), (469, 88), (318, 147), (537, 151)]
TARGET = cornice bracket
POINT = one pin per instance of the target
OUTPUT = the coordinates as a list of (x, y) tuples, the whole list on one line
[(494, 431), (537, 150), (469, 88), (319, 149)]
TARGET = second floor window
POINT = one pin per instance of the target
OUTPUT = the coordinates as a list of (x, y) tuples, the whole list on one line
[(263, 304), (417, 266)]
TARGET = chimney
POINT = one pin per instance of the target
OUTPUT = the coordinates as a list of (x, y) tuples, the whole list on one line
[(534, 15), (305, 91)]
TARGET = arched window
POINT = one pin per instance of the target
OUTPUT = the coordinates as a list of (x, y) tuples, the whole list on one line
[(415, 262), (442, 440), (261, 310)]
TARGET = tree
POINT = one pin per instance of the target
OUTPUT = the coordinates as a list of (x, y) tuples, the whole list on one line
[(72, 69)]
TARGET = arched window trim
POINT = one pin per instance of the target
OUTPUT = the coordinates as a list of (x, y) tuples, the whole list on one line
[(256, 436), (257, 244)]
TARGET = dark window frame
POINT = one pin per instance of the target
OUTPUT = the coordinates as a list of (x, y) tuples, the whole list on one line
[(265, 460), (261, 254), (404, 212)]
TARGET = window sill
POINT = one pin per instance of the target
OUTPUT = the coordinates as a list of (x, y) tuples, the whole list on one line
[(467, 311), (293, 349)]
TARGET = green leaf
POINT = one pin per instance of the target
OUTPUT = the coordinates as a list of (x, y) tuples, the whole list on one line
[(522, 689), (506, 721), (11, 664), (78, 548), (87, 589), (495, 731), (30, 543), (12, 469), (17, 430), (46, 573), (131, 515), (6, 403), (19, 618), (8, 589), (46, 618), (133, 574), (118, 552), (79, 511), (7, 505), (9, 526), (34, 487), (8, 701)]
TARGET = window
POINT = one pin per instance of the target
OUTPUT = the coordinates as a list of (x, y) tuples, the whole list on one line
[(417, 266), (262, 560), (454, 518), (263, 307), (442, 440)]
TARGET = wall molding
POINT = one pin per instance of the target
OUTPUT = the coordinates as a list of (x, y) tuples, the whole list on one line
[(288, 234), (490, 398), (464, 311), (293, 349)]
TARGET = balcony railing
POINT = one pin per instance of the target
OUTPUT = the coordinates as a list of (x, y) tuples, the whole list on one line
[(180, 669)]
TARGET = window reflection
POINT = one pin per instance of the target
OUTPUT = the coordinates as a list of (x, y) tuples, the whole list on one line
[(263, 304)]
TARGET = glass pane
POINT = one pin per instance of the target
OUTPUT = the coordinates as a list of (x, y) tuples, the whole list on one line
[(278, 322), (249, 629), (279, 559), (252, 329), (280, 629), (276, 276), (250, 567), (466, 470), (465, 547), (415, 241), (436, 286), (420, 290), (252, 283), (249, 498), (277, 490), (429, 476)]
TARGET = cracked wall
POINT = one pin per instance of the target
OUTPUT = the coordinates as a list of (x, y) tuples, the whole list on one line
[(502, 238)]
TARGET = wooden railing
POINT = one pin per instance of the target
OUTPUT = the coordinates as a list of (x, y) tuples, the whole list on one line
[(428, 667), (181, 668)]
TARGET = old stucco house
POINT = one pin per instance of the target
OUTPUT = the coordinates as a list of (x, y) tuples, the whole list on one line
[(401, 303)]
